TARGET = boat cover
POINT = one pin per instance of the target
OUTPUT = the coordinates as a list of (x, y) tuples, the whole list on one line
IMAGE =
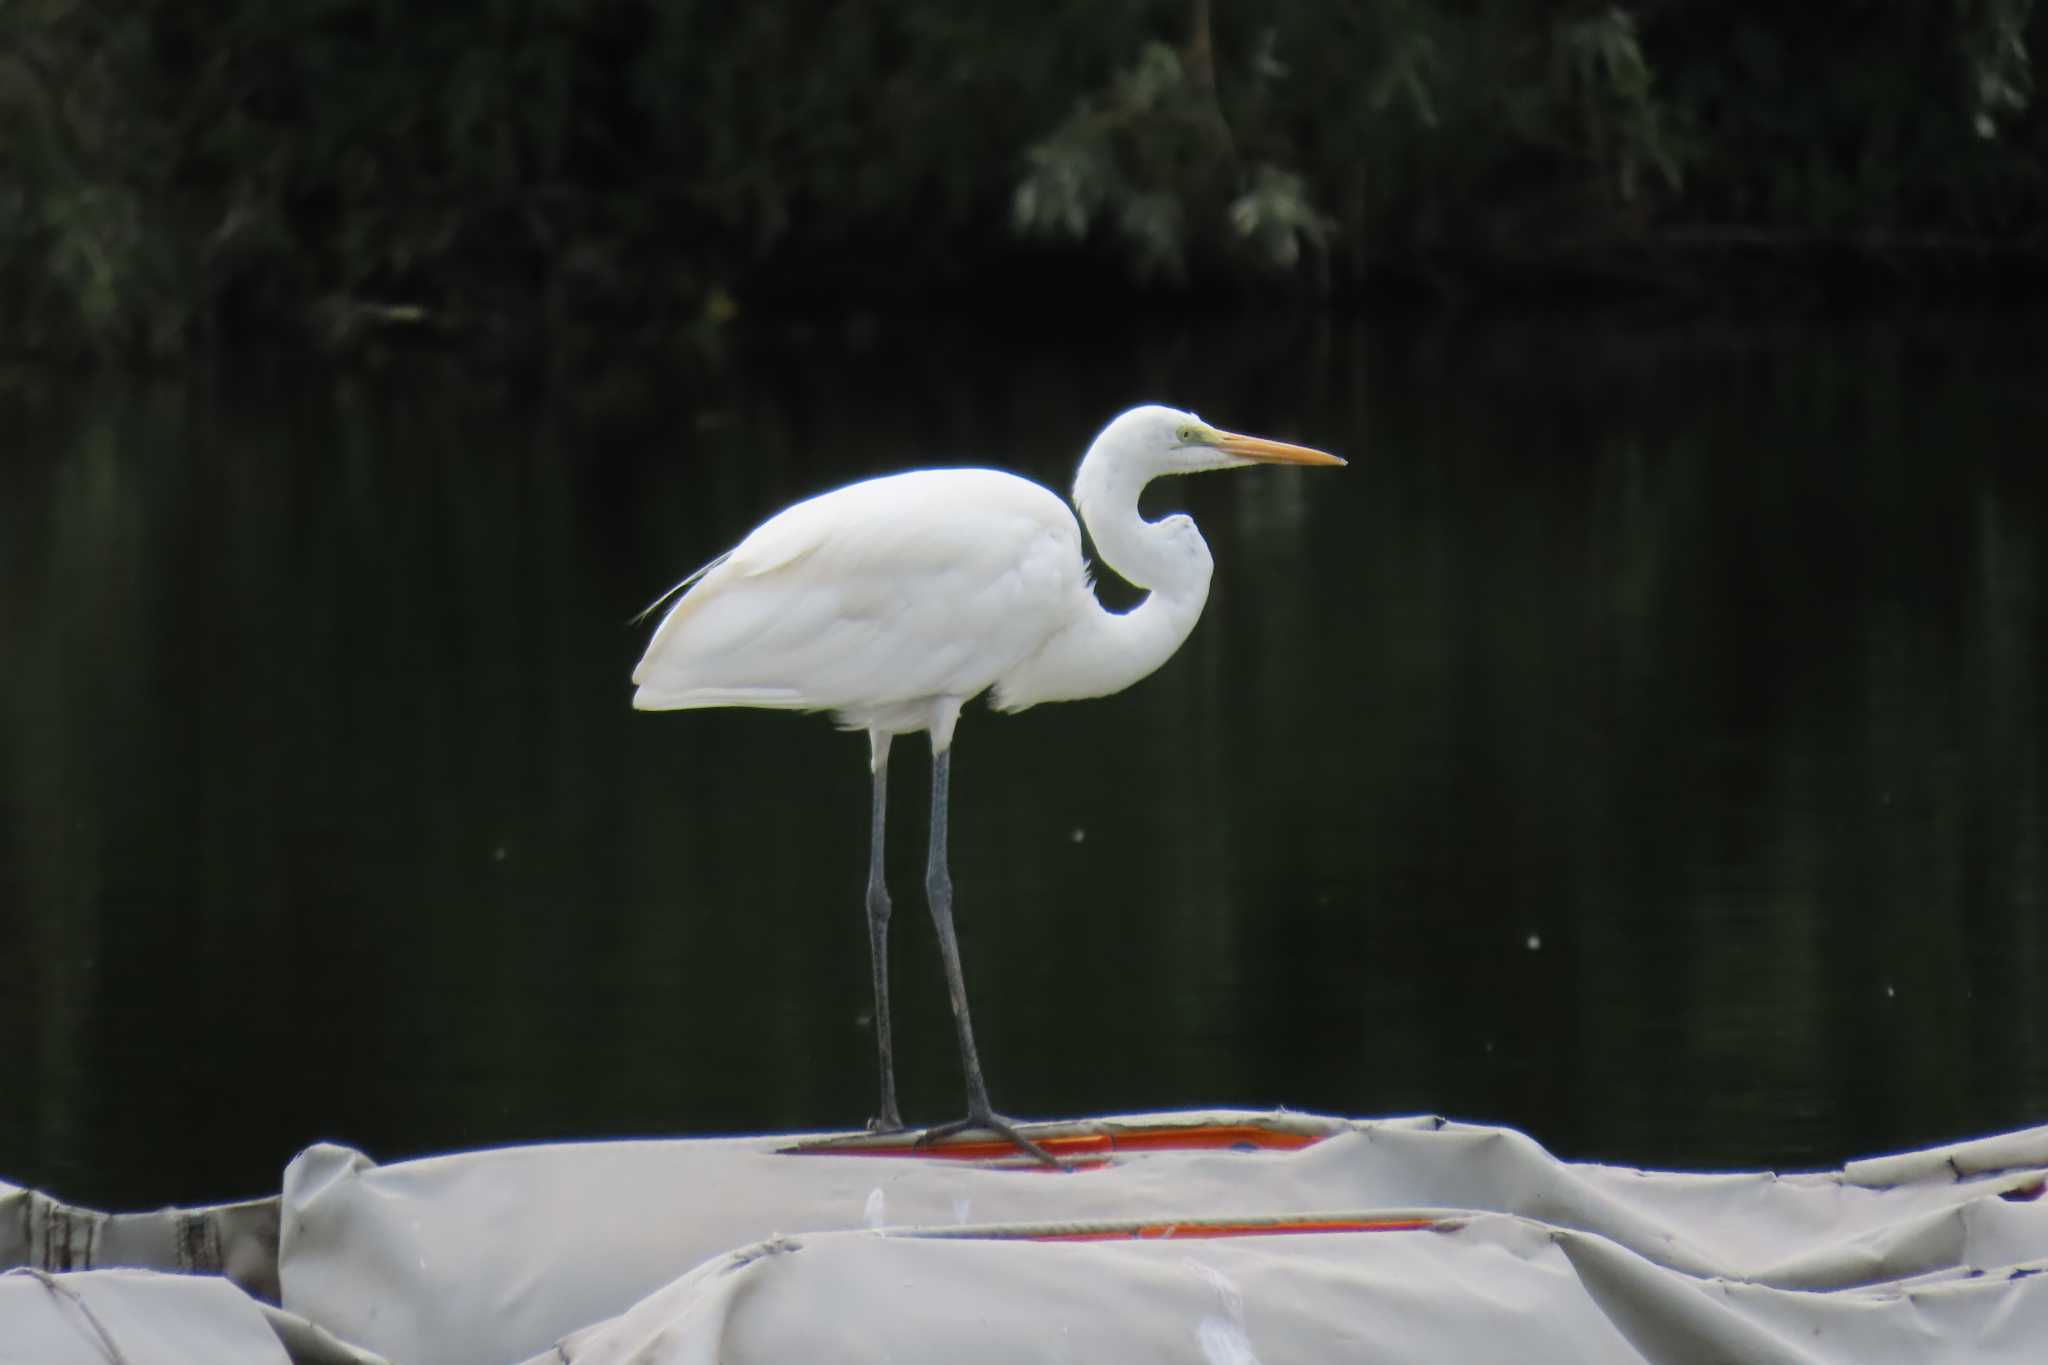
[(1222, 1236)]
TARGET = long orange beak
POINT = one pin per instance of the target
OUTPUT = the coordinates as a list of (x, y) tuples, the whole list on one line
[(1270, 452)]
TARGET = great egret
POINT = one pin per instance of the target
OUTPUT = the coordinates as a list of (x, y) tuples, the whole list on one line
[(893, 601)]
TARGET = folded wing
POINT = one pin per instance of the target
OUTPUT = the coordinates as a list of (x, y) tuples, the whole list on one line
[(884, 593)]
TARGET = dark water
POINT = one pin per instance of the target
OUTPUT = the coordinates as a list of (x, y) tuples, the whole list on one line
[(1641, 744)]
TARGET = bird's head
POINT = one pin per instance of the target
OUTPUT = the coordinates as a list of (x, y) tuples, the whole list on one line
[(1165, 440)]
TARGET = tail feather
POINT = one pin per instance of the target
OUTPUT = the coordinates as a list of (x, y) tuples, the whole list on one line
[(650, 697)]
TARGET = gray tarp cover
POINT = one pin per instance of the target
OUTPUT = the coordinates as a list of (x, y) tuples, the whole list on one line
[(1457, 1243), (137, 1317)]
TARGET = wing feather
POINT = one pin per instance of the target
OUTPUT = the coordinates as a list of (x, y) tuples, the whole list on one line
[(655, 605)]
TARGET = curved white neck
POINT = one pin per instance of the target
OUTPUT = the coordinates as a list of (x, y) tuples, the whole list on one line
[(1148, 554), (1103, 651)]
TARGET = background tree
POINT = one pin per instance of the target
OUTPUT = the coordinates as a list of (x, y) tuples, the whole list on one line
[(174, 172)]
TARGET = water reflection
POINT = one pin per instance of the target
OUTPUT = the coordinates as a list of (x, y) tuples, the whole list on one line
[(1704, 662)]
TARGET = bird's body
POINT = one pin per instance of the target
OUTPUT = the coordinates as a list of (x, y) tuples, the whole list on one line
[(894, 601), (877, 600)]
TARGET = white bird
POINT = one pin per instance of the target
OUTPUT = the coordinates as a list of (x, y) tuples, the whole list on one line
[(894, 601)]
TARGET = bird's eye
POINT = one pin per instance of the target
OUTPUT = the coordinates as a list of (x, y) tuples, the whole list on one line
[(1187, 436)]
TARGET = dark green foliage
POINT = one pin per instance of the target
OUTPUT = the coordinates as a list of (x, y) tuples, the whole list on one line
[(174, 171)]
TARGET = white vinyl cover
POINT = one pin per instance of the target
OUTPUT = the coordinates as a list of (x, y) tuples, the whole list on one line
[(238, 1241), (1460, 1243), (137, 1317), (129, 1317), (1217, 1238)]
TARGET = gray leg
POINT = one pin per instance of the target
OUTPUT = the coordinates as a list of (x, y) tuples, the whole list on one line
[(889, 1120), (938, 885)]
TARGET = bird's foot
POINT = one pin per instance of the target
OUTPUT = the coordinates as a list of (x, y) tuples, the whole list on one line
[(988, 1121), (888, 1121)]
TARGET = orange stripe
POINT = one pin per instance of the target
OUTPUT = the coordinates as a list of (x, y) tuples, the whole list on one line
[(1206, 1138), (1196, 1231)]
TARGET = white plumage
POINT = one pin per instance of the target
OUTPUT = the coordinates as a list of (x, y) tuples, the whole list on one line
[(873, 600), (894, 601)]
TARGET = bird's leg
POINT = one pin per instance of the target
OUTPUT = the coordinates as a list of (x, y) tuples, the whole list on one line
[(938, 885), (888, 1120)]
